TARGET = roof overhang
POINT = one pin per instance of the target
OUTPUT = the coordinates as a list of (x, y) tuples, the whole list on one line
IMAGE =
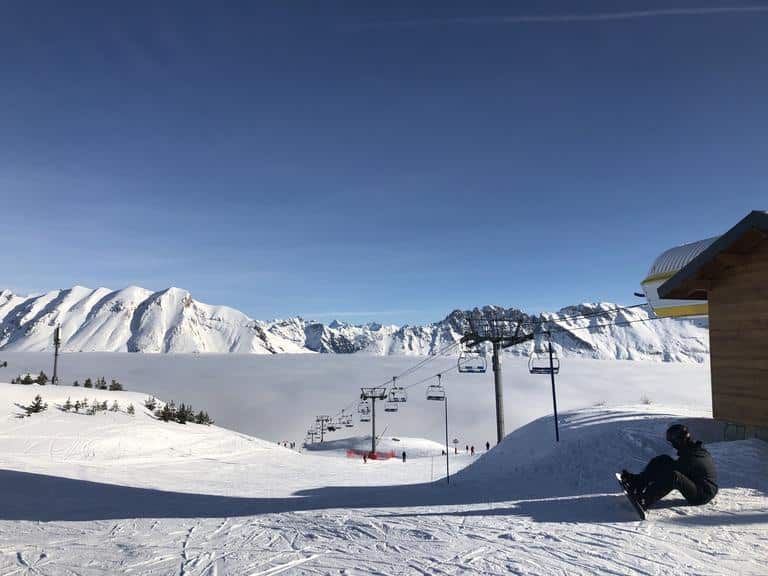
[(692, 282)]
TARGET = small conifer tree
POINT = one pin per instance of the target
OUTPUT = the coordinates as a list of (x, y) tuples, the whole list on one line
[(103, 405), (181, 414), (114, 407), (75, 383), (67, 405), (131, 410), (77, 406), (150, 404), (36, 406), (115, 386), (88, 383), (42, 378), (27, 379), (168, 412)]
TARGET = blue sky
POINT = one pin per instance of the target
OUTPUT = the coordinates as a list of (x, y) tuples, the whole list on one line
[(374, 161)]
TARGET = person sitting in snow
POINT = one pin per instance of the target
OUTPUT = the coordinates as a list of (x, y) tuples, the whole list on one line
[(692, 474)]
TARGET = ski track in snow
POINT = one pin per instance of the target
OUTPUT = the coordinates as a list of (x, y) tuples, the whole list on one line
[(150, 494), (472, 539)]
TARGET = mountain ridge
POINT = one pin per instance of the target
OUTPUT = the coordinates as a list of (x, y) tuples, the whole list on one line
[(134, 319)]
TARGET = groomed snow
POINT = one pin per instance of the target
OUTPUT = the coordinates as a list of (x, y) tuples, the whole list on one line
[(113, 493)]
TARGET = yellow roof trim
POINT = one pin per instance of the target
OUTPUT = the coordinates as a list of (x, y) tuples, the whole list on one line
[(688, 310), (659, 276)]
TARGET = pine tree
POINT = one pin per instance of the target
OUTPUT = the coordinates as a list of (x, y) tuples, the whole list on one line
[(168, 412), (75, 383), (27, 379), (103, 405), (115, 386), (114, 407), (77, 406), (88, 383), (67, 405), (42, 378), (131, 410), (150, 404), (36, 406), (181, 414)]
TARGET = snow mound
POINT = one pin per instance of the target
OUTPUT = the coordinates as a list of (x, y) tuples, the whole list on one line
[(594, 444), (55, 436), (413, 447)]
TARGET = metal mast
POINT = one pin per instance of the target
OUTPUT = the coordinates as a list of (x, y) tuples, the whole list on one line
[(501, 333), (56, 344), (373, 394)]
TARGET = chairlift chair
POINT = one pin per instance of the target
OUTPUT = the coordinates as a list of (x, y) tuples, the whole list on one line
[(390, 406), (538, 362), (436, 392), (398, 394), (472, 362)]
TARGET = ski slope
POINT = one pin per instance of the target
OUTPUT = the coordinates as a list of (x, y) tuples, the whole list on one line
[(118, 494)]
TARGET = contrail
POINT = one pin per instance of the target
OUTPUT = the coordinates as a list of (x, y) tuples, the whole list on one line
[(593, 17)]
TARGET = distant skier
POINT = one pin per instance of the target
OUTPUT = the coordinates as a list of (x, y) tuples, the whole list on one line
[(693, 473), (472, 450), (487, 446), (403, 456)]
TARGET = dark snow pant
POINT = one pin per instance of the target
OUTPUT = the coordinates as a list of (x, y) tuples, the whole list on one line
[(660, 477)]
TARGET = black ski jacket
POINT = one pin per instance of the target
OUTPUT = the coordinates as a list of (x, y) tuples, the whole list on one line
[(696, 463)]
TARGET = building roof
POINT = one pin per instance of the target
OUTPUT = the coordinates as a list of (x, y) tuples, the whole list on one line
[(692, 281), (674, 259)]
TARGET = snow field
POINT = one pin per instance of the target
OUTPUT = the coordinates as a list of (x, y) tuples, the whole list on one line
[(114, 494)]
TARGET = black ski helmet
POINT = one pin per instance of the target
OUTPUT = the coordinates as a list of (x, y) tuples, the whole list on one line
[(678, 434)]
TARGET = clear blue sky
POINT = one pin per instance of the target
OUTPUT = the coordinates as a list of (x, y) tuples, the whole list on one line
[(374, 161)]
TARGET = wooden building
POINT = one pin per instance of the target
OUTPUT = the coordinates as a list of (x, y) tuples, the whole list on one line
[(731, 274)]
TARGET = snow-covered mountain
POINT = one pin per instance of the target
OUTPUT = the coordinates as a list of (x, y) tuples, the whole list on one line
[(137, 320)]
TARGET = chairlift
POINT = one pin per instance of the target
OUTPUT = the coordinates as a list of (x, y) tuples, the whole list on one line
[(538, 361), (331, 428), (436, 392), (398, 394), (365, 417), (390, 406), (472, 362)]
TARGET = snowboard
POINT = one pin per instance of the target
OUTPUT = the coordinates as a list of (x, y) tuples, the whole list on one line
[(635, 504)]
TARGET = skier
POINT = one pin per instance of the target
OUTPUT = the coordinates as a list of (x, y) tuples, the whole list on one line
[(472, 450), (403, 456), (487, 446), (693, 473)]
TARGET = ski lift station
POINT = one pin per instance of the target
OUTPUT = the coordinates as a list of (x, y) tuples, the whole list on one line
[(725, 278)]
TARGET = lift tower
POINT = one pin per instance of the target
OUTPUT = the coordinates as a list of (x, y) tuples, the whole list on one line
[(56, 344), (501, 333), (373, 394)]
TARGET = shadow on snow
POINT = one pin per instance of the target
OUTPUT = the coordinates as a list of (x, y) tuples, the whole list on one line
[(39, 497)]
